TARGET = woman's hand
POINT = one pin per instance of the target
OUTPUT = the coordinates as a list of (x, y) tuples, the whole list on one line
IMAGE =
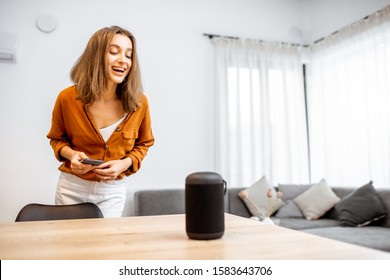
[(110, 170), (77, 166), (75, 158)]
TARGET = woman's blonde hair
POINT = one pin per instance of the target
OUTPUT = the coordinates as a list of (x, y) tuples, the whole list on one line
[(89, 73)]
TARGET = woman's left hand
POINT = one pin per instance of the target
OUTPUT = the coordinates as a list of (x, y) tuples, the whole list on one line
[(110, 170)]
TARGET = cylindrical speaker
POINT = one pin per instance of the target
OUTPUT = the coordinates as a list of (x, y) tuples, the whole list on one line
[(204, 205)]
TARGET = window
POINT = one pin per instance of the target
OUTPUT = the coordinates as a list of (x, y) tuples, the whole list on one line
[(260, 113), (348, 105)]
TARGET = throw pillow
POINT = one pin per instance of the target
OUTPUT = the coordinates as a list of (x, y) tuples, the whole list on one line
[(317, 200), (290, 210), (362, 207), (257, 200)]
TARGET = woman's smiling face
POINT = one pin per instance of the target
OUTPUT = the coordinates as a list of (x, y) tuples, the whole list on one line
[(118, 58)]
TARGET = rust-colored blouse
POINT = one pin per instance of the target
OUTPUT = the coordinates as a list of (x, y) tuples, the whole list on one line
[(73, 126)]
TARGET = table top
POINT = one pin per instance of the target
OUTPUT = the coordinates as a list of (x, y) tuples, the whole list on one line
[(164, 237)]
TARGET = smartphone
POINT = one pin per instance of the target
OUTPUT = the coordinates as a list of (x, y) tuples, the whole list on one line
[(95, 162)]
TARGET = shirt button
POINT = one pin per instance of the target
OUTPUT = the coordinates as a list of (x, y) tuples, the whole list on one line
[(118, 129)]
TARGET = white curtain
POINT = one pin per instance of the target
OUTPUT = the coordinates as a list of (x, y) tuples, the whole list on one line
[(349, 104), (260, 112)]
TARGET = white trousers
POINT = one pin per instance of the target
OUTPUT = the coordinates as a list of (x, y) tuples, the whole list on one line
[(110, 197)]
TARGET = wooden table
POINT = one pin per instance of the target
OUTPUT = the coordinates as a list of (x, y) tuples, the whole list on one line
[(164, 237)]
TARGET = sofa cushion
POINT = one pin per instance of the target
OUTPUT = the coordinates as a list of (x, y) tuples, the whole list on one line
[(289, 210), (372, 237), (384, 193), (159, 202), (235, 204), (362, 207), (317, 200), (257, 200), (300, 223), (291, 191)]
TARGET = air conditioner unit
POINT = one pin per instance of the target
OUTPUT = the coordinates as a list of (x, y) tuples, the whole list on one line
[(8, 47)]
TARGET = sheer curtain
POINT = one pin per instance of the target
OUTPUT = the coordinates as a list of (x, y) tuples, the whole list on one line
[(349, 104), (260, 112)]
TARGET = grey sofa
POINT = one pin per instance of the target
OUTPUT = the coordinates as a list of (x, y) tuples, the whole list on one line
[(376, 235)]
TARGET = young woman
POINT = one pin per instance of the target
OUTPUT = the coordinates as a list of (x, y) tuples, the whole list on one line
[(103, 116)]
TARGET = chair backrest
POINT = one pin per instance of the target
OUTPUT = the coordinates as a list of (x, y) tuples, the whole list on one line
[(42, 212)]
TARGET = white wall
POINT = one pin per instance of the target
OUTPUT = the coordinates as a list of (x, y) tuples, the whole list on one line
[(177, 66), (327, 16)]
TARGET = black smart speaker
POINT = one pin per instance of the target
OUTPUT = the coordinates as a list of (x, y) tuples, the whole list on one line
[(204, 205)]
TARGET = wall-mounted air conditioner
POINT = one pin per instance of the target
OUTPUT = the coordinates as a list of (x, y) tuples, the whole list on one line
[(8, 47)]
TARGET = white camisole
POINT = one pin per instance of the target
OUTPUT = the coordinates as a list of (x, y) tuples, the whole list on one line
[(106, 132)]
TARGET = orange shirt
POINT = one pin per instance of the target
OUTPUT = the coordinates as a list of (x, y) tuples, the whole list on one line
[(73, 126)]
